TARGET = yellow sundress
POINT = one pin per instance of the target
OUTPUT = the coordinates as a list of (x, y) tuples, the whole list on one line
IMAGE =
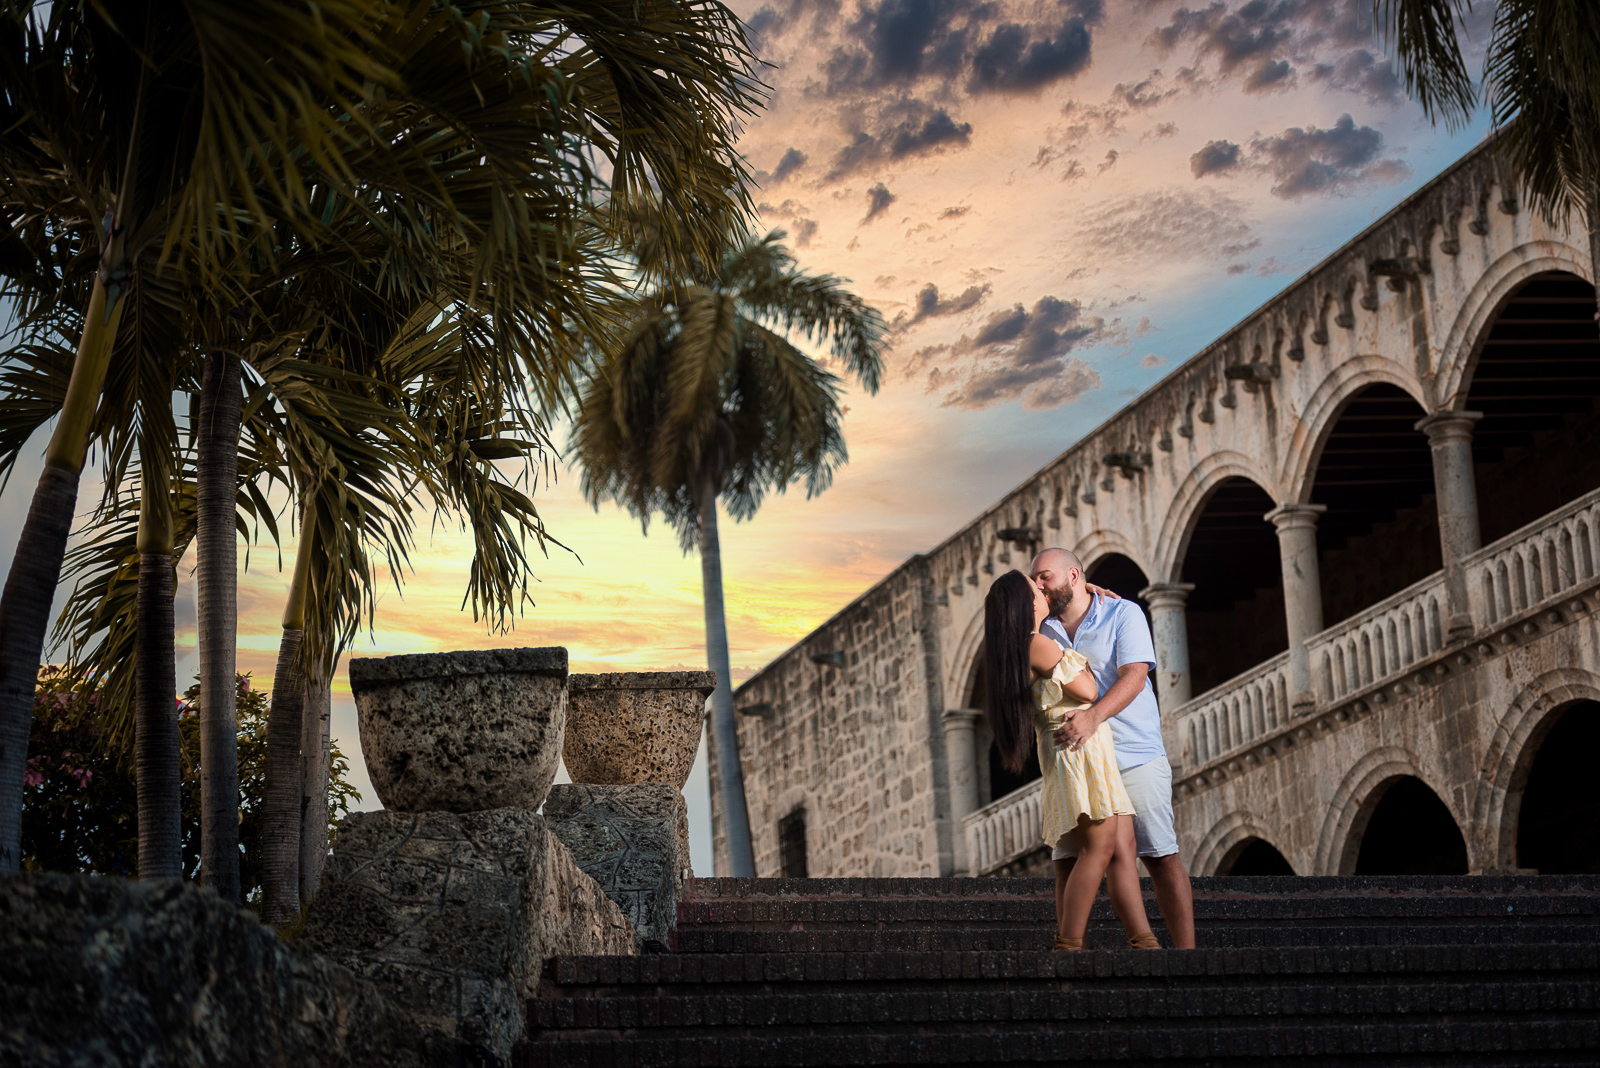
[(1085, 782)]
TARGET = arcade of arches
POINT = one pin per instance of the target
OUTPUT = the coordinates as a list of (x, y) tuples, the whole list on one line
[(1532, 413)]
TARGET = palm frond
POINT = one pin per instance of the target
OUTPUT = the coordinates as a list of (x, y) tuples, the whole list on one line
[(1423, 34)]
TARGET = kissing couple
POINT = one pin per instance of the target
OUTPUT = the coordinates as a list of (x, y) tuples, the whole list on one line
[(1069, 665)]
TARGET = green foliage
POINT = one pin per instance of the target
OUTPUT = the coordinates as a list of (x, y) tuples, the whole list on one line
[(80, 807), (1541, 81), (707, 395)]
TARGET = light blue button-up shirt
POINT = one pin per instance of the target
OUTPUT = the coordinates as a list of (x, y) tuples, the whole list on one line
[(1112, 634)]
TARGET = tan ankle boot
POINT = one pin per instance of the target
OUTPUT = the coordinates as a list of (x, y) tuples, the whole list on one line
[(1063, 943), (1143, 940)]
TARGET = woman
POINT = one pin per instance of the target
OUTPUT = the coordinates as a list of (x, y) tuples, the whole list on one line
[(1033, 682)]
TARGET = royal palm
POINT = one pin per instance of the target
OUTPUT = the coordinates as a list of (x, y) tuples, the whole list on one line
[(705, 399)]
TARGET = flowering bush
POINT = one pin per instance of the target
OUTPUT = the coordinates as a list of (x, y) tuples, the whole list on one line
[(80, 801)]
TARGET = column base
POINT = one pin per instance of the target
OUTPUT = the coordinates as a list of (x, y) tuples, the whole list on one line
[(1461, 628), (1302, 704)]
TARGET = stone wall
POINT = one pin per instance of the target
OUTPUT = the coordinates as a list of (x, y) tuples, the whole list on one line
[(849, 733)]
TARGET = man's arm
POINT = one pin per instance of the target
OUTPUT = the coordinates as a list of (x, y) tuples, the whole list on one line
[(1079, 726)]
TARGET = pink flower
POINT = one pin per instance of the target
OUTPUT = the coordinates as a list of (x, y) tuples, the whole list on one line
[(31, 778)]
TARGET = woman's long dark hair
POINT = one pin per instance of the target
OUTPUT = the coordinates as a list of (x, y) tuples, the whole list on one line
[(1007, 622)]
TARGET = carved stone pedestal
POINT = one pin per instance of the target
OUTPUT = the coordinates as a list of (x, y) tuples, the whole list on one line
[(633, 841), (452, 915)]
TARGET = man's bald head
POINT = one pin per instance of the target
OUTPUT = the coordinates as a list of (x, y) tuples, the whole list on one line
[(1059, 573)]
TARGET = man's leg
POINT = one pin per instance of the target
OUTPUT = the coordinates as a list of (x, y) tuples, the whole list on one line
[(1150, 789), (1173, 896)]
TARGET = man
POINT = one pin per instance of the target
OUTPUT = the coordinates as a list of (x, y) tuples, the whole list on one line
[(1114, 636)]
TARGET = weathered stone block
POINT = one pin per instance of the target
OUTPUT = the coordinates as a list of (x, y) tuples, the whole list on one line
[(111, 972), (633, 841), (452, 915)]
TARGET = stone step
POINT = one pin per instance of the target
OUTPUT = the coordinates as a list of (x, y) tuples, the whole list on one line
[(1203, 969), (1105, 933), (1432, 1040), (1245, 886)]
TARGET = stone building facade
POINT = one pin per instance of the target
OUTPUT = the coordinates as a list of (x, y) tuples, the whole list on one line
[(1365, 524)]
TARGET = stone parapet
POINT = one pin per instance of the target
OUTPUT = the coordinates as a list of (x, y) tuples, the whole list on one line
[(452, 915)]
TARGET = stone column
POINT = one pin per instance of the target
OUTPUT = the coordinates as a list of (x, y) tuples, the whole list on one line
[(1302, 592), (1170, 629), (961, 753), (1456, 491)]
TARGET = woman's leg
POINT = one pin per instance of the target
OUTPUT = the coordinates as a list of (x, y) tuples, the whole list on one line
[(1096, 841), (1122, 877)]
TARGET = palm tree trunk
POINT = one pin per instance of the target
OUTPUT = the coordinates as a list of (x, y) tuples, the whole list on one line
[(280, 809), (155, 722), (315, 740), (730, 775), (216, 581), (36, 567)]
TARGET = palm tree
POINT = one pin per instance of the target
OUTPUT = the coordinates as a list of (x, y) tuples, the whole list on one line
[(1541, 81), (706, 399), (471, 172)]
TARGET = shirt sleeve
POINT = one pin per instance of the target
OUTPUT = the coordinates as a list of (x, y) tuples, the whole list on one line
[(1052, 628), (1134, 645)]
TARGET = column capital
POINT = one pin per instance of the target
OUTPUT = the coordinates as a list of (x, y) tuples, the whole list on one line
[(1446, 424), (1287, 517), (1167, 594), (960, 718)]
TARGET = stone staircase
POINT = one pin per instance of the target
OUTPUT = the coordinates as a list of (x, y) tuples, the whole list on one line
[(1329, 971)]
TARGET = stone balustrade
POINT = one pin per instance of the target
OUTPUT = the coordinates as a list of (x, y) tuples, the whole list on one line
[(1234, 713), (1003, 831), (1380, 641), (1536, 564)]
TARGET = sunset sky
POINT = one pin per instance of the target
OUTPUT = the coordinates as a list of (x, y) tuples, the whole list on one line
[(1054, 205)]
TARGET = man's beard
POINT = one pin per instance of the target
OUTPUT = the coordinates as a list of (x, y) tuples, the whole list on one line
[(1058, 599)]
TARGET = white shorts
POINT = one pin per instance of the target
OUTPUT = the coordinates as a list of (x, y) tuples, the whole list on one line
[(1150, 789)]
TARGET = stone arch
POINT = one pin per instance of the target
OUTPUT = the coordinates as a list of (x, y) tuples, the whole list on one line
[(1101, 543), (1322, 413), (1504, 772), (1493, 287), (1353, 801), (1226, 835), (1189, 501), (958, 682)]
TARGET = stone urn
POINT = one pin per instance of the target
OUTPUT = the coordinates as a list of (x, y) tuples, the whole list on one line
[(462, 732), (635, 726)]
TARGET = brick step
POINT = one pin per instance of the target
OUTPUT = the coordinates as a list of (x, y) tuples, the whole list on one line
[(1016, 912), (1274, 886), (581, 976), (1437, 1041), (1106, 933)]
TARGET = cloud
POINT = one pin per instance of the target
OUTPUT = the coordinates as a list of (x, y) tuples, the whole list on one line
[(1164, 223), (791, 162), (804, 231), (955, 211), (1162, 129), (1269, 43), (1363, 72), (1309, 160), (1237, 269), (878, 200), (1216, 157), (1080, 121), (929, 304), (1109, 162), (1151, 361), (1017, 354), (1014, 60), (901, 129)]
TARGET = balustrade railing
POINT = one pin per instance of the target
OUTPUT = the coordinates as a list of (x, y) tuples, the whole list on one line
[(1004, 830), (1535, 564), (1523, 570), (1380, 641), (1234, 713)]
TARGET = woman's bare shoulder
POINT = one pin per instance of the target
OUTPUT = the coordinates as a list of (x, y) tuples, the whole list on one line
[(1044, 653)]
